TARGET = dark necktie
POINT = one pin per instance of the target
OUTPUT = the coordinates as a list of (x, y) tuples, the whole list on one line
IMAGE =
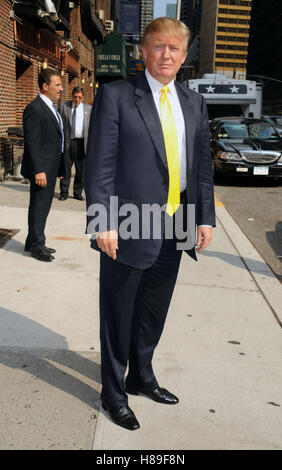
[(60, 124), (73, 119)]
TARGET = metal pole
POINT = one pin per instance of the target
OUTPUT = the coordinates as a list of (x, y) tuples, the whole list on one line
[(178, 10)]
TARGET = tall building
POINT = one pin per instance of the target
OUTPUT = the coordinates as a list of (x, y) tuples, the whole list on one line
[(190, 14), (225, 29), (147, 13), (265, 56), (171, 10)]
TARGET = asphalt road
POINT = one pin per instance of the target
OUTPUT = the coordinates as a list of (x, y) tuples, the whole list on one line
[(256, 205)]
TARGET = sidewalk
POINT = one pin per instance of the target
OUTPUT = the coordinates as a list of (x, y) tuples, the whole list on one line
[(220, 352)]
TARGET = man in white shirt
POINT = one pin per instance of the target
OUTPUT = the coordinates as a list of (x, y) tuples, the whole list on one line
[(75, 115), (149, 145)]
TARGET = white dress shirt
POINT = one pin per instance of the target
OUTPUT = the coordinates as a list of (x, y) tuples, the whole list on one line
[(156, 86), (178, 118), (78, 134), (49, 104)]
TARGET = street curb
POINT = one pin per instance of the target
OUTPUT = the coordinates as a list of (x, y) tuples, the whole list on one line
[(265, 279)]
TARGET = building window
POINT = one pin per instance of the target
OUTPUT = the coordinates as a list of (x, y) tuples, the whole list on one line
[(243, 3)]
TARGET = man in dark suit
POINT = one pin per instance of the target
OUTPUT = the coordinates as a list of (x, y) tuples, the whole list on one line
[(43, 159), (149, 145), (76, 116)]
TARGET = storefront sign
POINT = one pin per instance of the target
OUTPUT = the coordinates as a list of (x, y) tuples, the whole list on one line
[(110, 57)]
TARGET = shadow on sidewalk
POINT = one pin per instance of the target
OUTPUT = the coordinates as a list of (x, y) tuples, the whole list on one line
[(274, 239), (52, 362), (236, 260), (15, 247), (23, 186)]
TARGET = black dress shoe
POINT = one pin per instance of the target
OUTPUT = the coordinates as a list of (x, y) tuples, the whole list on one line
[(51, 250), (62, 198), (79, 197), (42, 255), (123, 416), (161, 395)]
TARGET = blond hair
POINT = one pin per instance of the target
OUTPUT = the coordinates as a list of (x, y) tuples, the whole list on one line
[(170, 26)]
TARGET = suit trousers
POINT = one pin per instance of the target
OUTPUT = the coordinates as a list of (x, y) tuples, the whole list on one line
[(133, 309), (39, 207), (77, 157)]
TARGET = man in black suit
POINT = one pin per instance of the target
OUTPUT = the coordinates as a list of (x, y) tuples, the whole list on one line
[(149, 146), (43, 159), (75, 115)]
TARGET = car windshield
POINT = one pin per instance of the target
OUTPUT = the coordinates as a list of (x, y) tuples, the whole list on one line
[(258, 130), (277, 121)]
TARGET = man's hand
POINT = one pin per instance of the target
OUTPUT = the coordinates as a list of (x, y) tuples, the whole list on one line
[(108, 242), (204, 236), (41, 179)]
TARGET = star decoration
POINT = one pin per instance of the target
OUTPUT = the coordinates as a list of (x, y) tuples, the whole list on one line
[(234, 89), (210, 89)]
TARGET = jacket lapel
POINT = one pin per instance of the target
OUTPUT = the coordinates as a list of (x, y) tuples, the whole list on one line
[(149, 114), (188, 113), (50, 114)]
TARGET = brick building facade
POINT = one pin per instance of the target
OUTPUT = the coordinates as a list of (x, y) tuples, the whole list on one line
[(8, 95), (30, 42)]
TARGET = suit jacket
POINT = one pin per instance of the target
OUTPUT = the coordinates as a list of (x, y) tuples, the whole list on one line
[(126, 157), (42, 141), (66, 114)]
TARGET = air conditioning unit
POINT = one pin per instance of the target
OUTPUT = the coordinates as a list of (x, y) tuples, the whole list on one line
[(101, 15), (51, 9), (109, 25)]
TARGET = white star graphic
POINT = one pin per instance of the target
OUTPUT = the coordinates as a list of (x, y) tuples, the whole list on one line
[(234, 89), (210, 89)]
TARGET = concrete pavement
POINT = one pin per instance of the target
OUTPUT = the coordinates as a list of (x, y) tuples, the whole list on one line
[(220, 351)]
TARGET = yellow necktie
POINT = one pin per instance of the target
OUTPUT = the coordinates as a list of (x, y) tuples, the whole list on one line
[(172, 155)]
